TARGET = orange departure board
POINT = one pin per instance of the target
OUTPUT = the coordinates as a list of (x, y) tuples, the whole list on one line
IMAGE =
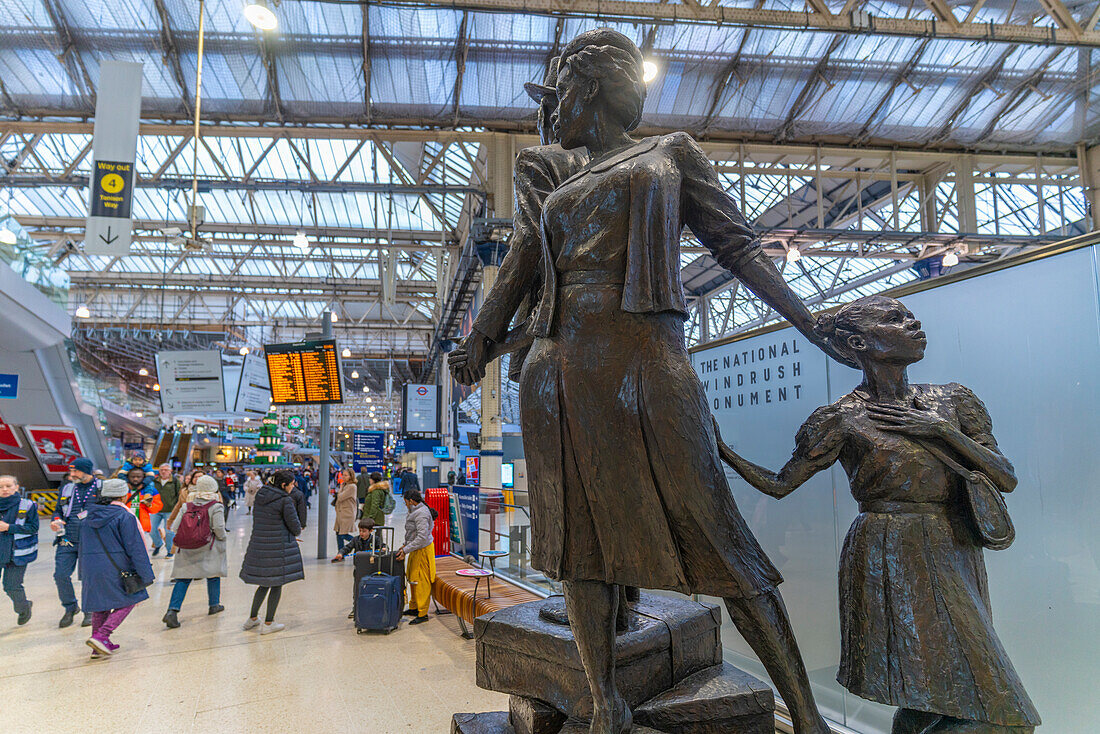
[(304, 372)]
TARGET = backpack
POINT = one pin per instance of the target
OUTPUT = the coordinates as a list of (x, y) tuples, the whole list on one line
[(389, 504), (194, 531)]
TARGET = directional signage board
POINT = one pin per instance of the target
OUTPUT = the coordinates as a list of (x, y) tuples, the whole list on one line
[(9, 386), (191, 382), (114, 147)]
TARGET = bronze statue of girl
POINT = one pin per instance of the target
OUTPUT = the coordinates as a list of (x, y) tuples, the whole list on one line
[(916, 626), (625, 480)]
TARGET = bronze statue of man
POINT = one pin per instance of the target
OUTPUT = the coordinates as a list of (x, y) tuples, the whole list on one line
[(915, 619), (538, 171), (625, 481)]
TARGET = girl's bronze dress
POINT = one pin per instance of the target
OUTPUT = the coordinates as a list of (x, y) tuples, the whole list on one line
[(626, 484), (916, 625)]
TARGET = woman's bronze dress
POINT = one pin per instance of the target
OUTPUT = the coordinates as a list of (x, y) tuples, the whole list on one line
[(626, 484)]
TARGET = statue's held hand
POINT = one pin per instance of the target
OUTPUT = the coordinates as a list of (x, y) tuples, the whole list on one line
[(467, 362)]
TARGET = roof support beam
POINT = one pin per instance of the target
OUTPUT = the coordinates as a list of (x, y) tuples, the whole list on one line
[(724, 79), (1057, 10), (1012, 100), (365, 33), (640, 11), (234, 184), (461, 50), (943, 12), (404, 176), (801, 102), (172, 54), (69, 57), (964, 101), (272, 73), (1090, 25), (899, 78)]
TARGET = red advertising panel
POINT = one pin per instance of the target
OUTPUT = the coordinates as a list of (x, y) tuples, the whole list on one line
[(11, 449), (56, 447)]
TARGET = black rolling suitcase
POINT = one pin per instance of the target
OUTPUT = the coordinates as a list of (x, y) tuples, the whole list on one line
[(379, 588)]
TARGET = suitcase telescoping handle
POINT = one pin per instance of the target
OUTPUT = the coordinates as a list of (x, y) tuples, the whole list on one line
[(388, 545)]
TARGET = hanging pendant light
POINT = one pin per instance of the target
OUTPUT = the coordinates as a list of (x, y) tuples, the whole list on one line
[(258, 14)]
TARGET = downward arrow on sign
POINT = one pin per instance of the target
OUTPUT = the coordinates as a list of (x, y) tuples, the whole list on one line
[(108, 239)]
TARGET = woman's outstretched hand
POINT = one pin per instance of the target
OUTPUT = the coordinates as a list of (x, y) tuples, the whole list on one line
[(918, 422)]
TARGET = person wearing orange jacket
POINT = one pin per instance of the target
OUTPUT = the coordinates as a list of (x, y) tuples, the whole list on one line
[(143, 498)]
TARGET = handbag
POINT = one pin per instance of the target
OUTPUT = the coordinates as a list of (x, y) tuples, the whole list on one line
[(131, 582), (986, 507)]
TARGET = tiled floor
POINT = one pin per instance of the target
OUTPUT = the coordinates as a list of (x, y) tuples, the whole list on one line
[(209, 676)]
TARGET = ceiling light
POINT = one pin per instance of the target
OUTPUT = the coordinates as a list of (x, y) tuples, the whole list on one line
[(793, 255), (649, 71), (950, 260), (138, 414), (366, 389), (354, 373), (346, 354), (156, 387), (244, 351), (332, 317), (301, 241), (83, 312), (143, 372), (7, 237), (258, 14), (368, 400)]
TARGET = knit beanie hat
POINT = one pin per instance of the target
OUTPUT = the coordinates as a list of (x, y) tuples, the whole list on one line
[(114, 489)]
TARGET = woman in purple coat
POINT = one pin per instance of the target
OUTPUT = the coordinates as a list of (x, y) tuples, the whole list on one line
[(111, 542)]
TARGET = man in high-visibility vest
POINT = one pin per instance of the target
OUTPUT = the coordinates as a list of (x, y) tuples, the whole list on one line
[(18, 543), (72, 507)]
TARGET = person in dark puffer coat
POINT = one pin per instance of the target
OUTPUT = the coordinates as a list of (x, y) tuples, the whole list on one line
[(273, 558)]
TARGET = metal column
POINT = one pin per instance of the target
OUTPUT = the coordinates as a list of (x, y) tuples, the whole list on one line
[(323, 459)]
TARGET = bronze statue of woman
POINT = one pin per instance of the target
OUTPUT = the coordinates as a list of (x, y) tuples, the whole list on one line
[(625, 480), (916, 625)]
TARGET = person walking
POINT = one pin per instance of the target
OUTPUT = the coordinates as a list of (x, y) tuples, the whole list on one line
[(74, 499), (347, 507), (142, 498), (18, 543), (304, 479), (202, 520), (111, 549), (300, 505), (273, 558), (167, 485), (251, 487), (419, 548), (378, 497)]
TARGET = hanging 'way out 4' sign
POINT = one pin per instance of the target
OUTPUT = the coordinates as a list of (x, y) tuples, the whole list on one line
[(118, 107)]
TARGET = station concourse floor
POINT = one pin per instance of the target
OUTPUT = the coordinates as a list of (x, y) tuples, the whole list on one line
[(317, 675)]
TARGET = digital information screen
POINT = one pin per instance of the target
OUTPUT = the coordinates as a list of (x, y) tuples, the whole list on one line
[(304, 372)]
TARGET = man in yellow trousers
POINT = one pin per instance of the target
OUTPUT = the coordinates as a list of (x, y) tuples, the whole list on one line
[(419, 550)]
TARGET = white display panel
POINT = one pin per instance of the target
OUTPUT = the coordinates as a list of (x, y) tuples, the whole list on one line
[(254, 388), (190, 382), (1025, 339), (420, 412)]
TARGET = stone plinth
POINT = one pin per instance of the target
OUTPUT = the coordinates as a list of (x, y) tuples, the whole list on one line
[(519, 652), (668, 668)]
